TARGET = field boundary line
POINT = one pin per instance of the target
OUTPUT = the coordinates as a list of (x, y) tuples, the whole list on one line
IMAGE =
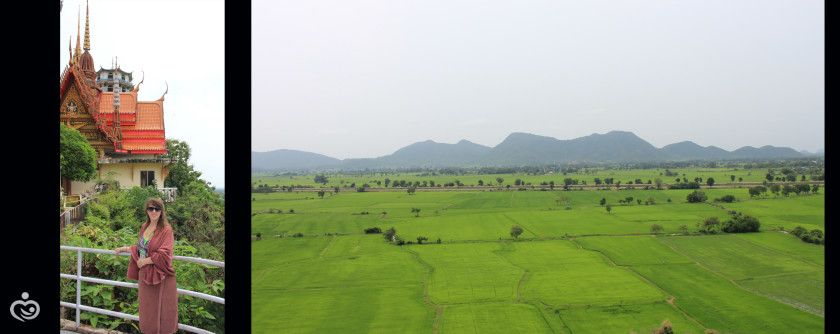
[(523, 226), (438, 309), (757, 293), (780, 251), (779, 275), (559, 315), (518, 298), (645, 279), (321, 253)]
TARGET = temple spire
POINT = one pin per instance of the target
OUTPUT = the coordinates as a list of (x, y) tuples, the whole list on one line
[(87, 26), (78, 36)]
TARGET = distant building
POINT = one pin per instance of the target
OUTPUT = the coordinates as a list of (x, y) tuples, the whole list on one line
[(129, 135), (105, 79)]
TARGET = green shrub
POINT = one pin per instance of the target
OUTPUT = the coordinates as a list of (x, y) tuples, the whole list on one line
[(696, 196), (726, 199), (799, 231), (373, 230), (741, 223)]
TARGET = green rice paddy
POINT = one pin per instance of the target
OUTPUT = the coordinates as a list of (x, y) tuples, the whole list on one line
[(575, 269)]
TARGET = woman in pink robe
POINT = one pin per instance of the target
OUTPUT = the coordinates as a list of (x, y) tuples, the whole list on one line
[(151, 267)]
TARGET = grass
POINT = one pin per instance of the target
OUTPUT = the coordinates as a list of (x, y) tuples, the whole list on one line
[(576, 270)]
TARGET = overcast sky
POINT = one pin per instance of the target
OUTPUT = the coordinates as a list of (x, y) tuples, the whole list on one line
[(364, 78), (176, 42)]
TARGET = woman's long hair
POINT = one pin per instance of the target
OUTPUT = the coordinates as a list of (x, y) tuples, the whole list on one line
[(158, 203)]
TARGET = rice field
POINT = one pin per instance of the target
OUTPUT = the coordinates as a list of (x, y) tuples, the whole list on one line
[(576, 268)]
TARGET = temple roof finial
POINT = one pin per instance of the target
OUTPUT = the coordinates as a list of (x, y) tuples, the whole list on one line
[(164, 93), (137, 87), (78, 36), (87, 26)]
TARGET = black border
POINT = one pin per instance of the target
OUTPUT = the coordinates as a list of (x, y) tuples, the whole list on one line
[(30, 231), (237, 166)]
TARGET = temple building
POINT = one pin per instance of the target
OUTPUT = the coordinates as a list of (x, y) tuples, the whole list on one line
[(128, 135)]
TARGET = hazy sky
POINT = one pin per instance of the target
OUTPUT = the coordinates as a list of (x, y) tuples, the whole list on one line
[(364, 78), (177, 42)]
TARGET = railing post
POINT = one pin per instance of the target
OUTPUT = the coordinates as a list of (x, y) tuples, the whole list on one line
[(78, 286)]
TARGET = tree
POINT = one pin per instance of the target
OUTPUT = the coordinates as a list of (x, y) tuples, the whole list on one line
[(411, 190), (373, 230), (420, 239), (658, 183), (603, 201), (710, 225), (77, 158), (597, 181), (517, 182), (181, 172), (416, 212), (665, 328), (499, 180), (710, 182), (609, 208), (516, 231), (740, 179), (387, 182), (551, 185), (786, 190), (390, 234), (770, 177), (321, 178), (799, 231), (656, 228), (815, 188), (726, 198), (696, 197), (775, 189), (480, 183), (321, 194), (741, 223), (732, 178), (683, 229)]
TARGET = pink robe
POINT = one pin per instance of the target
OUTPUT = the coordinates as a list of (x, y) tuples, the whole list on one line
[(157, 289)]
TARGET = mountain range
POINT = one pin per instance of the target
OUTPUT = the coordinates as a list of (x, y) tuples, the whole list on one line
[(521, 149)]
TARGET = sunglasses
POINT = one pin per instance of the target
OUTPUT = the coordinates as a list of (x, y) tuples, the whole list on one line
[(151, 208)]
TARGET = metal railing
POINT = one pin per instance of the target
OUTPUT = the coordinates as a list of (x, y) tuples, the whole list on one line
[(79, 279)]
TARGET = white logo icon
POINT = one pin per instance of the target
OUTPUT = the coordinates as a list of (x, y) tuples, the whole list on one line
[(26, 309)]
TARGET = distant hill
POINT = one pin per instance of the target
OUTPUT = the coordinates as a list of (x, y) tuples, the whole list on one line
[(425, 154), (290, 160), (520, 149), (688, 150), (765, 152), (818, 153)]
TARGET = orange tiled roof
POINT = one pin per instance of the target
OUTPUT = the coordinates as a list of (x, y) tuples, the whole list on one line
[(128, 102), (141, 122), (149, 115)]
